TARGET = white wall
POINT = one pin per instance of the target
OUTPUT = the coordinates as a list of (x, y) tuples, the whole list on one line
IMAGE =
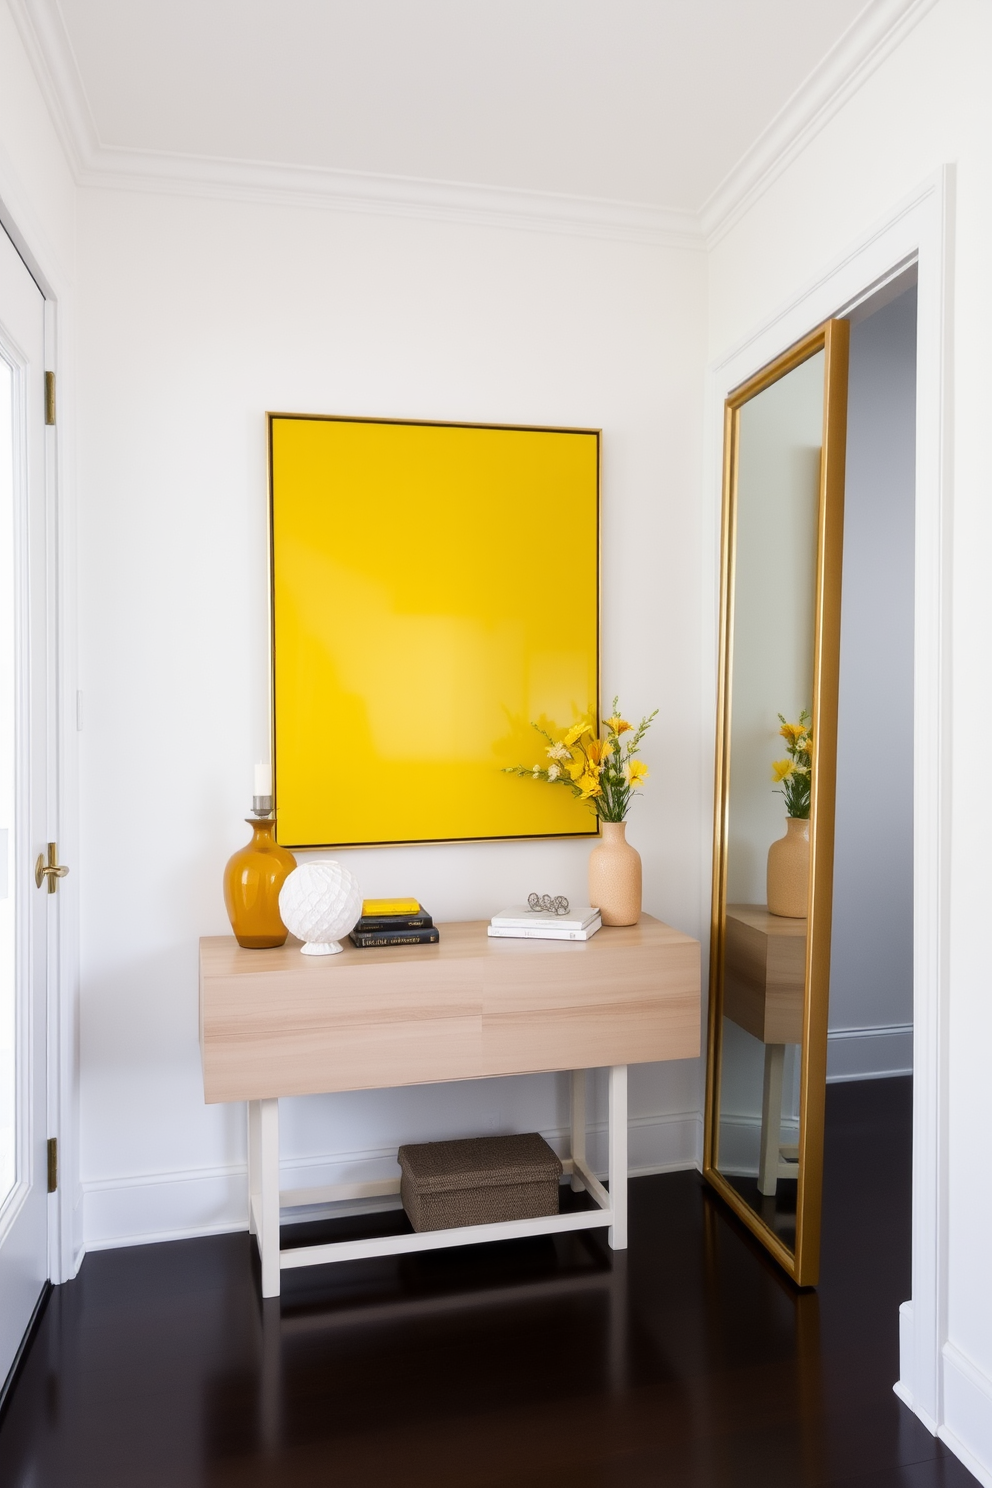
[(871, 967), (195, 317), (928, 103)]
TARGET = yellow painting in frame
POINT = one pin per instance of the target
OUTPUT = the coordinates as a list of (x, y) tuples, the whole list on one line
[(435, 589)]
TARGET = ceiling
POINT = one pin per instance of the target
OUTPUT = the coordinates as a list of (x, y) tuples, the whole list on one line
[(641, 101)]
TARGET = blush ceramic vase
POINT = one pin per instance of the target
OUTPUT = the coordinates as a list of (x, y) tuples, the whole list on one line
[(788, 871), (252, 880), (615, 877)]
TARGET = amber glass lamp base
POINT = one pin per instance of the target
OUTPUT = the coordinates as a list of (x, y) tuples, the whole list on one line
[(252, 880)]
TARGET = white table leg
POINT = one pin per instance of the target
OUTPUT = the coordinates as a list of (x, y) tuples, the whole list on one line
[(578, 1124), (268, 1207), (617, 1161), (771, 1119)]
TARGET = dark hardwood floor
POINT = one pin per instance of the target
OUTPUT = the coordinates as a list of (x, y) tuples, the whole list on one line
[(689, 1361)]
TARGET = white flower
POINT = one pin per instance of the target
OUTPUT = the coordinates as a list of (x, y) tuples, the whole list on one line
[(554, 771), (557, 752), (537, 772)]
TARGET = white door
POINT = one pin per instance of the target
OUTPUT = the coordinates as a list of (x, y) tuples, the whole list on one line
[(25, 715)]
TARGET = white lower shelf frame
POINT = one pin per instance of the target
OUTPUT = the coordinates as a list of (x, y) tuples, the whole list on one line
[(266, 1200)]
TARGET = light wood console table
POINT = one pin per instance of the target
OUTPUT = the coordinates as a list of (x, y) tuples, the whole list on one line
[(276, 1023)]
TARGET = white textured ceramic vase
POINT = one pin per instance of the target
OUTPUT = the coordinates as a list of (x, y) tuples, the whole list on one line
[(320, 903)]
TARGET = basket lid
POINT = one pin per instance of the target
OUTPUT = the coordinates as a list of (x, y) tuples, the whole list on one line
[(478, 1162)]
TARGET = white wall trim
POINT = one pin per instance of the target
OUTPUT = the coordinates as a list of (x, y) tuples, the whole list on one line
[(143, 1208), (967, 1424), (46, 41), (871, 37), (54, 277), (919, 228), (906, 1347), (869, 1053), (392, 196)]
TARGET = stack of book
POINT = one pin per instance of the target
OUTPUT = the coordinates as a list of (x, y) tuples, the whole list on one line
[(521, 923), (387, 922)]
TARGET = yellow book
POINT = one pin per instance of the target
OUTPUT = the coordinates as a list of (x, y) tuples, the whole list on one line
[(390, 906)]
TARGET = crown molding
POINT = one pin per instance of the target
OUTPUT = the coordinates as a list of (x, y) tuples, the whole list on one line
[(352, 191), (95, 164), (46, 41), (872, 36)]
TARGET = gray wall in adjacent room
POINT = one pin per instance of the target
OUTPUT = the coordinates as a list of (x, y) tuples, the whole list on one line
[(871, 985)]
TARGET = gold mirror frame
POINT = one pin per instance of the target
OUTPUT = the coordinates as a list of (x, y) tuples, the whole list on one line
[(832, 338)]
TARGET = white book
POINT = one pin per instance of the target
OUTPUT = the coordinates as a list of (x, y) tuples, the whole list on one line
[(545, 932), (519, 915)]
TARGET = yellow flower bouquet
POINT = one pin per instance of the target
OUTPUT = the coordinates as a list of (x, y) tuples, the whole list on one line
[(795, 774), (600, 770)]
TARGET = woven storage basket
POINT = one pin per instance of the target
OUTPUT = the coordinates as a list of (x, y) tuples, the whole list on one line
[(482, 1180)]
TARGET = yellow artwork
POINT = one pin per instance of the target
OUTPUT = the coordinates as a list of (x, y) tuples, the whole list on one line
[(435, 588)]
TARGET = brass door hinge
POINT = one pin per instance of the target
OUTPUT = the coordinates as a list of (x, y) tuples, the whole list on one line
[(53, 870), (53, 1164), (49, 397)]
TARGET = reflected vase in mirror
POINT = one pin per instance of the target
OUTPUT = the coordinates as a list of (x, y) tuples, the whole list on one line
[(788, 871)]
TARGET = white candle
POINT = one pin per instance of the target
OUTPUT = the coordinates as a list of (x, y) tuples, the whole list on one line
[(263, 778)]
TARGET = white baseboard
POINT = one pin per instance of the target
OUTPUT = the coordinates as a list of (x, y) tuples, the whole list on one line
[(869, 1053), (144, 1208), (907, 1356), (967, 1427), (740, 1142)]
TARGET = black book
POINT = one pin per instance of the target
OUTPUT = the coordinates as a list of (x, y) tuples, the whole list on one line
[(374, 923), (365, 939)]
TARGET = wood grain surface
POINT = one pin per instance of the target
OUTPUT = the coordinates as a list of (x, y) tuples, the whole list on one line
[(765, 973), (275, 1022)]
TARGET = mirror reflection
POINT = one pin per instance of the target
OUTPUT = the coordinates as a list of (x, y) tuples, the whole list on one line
[(772, 597)]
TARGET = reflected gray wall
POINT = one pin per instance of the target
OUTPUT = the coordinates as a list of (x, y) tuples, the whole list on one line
[(778, 483), (871, 984)]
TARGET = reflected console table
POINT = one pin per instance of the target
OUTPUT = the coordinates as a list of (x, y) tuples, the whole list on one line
[(276, 1023), (764, 980)]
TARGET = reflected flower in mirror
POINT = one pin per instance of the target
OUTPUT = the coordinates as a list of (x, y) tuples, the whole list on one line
[(788, 859), (795, 773)]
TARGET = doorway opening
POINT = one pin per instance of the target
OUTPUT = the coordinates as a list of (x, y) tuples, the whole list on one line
[(868, 1127)]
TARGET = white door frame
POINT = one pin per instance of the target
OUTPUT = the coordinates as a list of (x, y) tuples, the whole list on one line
[(64, 1214), (919, 229)]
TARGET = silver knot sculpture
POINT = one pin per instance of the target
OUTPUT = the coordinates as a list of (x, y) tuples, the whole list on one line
[(543, 903)]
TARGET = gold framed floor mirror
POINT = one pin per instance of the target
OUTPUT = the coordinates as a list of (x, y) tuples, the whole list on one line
[(781, 552)]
